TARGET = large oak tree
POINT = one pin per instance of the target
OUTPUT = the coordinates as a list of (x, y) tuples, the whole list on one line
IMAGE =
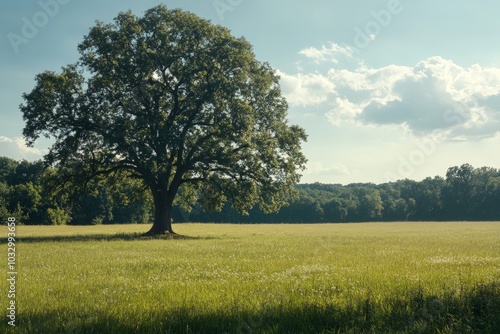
[(177, 102)]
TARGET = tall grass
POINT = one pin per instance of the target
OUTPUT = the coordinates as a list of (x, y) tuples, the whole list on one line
[(356, 278)]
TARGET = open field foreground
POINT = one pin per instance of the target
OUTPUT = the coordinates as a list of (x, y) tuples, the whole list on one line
[(331, 278)]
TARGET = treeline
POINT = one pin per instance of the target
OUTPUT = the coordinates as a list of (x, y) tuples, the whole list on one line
[(466, 193), (27, 194)]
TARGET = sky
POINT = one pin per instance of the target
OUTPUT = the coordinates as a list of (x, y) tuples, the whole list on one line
[(385, 89)]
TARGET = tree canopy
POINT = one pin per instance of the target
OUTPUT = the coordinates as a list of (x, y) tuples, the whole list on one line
[(176, 102)]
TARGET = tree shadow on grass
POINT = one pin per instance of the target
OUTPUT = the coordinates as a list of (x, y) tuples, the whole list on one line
[(476, 311), (104, 237)]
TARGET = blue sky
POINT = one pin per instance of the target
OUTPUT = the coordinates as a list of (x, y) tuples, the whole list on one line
[(385, 89)]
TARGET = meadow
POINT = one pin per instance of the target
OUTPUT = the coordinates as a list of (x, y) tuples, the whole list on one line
[(211, 278)]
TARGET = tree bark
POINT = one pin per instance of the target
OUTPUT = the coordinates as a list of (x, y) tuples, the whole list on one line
[(163, 213)]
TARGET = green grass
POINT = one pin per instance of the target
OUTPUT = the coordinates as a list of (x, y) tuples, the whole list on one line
[(352, 278)]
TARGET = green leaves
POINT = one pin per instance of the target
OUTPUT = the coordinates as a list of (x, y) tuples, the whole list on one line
[(176, 101)]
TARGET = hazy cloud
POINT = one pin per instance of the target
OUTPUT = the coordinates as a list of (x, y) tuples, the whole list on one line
[(16, 148), (316, 167)]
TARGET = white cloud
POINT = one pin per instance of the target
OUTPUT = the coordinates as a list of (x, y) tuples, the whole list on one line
[(333, 53), (16, 148), (307, 89), (436, 96)]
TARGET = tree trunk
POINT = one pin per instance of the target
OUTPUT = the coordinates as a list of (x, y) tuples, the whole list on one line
[(163, 213)]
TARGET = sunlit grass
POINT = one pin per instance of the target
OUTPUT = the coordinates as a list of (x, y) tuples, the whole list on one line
[(373, 278)]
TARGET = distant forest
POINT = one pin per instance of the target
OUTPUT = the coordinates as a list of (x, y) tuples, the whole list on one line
[(466, 193)]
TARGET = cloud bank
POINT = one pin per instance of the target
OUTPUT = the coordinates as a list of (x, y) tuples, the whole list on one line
[(435, 96)]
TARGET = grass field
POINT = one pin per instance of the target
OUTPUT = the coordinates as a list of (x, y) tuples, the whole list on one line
[(330, 278)]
